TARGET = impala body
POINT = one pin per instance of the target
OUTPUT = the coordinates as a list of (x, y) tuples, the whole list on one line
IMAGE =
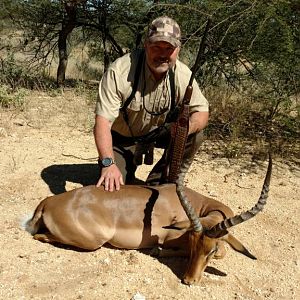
[(137, 217), (131, 218)]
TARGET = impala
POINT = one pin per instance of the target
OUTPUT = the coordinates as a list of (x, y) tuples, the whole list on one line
[(178, 220)]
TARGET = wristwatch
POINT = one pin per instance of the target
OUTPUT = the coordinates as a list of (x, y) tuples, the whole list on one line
[(106, 162)]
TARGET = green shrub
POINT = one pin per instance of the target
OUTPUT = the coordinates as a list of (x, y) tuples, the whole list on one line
[(17, 74), (12, 98), (253, 115)]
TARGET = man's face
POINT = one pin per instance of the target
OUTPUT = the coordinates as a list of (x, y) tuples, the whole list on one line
[(160, 57)]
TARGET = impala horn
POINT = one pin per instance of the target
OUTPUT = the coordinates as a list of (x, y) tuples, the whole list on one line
[(221, 228)]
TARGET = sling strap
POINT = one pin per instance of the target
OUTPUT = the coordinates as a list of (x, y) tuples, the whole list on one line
[(137, 73)]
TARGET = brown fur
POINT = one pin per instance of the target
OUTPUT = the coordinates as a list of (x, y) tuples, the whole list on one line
[(132, 218)]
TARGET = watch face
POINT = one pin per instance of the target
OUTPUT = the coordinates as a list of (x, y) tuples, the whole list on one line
[(107, 161)]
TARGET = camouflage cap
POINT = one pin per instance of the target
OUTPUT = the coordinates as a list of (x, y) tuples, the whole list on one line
[(164, 29)]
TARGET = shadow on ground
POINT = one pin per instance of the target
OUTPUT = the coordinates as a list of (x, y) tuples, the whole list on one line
[(178, 265), (56, 176)]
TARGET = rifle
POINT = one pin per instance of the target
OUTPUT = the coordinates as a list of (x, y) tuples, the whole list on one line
[(180, 128)]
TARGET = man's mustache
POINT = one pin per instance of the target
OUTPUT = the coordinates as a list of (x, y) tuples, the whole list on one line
[(162, 60)]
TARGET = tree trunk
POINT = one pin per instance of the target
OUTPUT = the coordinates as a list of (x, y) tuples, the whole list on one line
[(68, 25), (63, 58)]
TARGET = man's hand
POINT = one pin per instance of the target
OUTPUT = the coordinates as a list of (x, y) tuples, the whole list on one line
[(111, 178)]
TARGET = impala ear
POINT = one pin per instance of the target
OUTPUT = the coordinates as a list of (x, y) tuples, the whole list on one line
[(237, 245), (183, 225)]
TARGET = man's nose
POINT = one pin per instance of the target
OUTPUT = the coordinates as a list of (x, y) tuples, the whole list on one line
[(165, 53)]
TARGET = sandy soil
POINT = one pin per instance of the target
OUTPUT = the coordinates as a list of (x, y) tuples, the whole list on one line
[(49, 148)]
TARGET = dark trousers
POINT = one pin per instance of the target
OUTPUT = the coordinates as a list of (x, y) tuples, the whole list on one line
[(125, 153)]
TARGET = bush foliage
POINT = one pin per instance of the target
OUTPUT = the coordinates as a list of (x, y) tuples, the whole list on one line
[(250, 73)]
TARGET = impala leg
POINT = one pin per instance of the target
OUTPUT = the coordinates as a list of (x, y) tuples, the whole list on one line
[(163, 252), (173, 245), (46, 238), (170, 252)]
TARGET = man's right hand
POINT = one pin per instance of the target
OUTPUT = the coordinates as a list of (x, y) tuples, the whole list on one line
[(111, 178)]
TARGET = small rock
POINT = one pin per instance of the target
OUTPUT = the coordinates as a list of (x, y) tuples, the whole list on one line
[(147, 280), (3, 132), (106, 261), (20, 122), (133, 259), (213, 193), (138, 296)]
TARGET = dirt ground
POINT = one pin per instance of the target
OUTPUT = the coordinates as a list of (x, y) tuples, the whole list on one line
[(48, 148)]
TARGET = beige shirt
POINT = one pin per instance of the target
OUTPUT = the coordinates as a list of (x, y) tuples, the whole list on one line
[(149, 107)]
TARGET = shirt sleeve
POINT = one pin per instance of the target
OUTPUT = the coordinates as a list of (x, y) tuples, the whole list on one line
[(198, 102), (109, 98)]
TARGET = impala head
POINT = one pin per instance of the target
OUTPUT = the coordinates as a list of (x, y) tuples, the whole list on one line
[(204, 242), (202, 249)]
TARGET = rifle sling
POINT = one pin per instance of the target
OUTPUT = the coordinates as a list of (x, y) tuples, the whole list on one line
[(179, 134)]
